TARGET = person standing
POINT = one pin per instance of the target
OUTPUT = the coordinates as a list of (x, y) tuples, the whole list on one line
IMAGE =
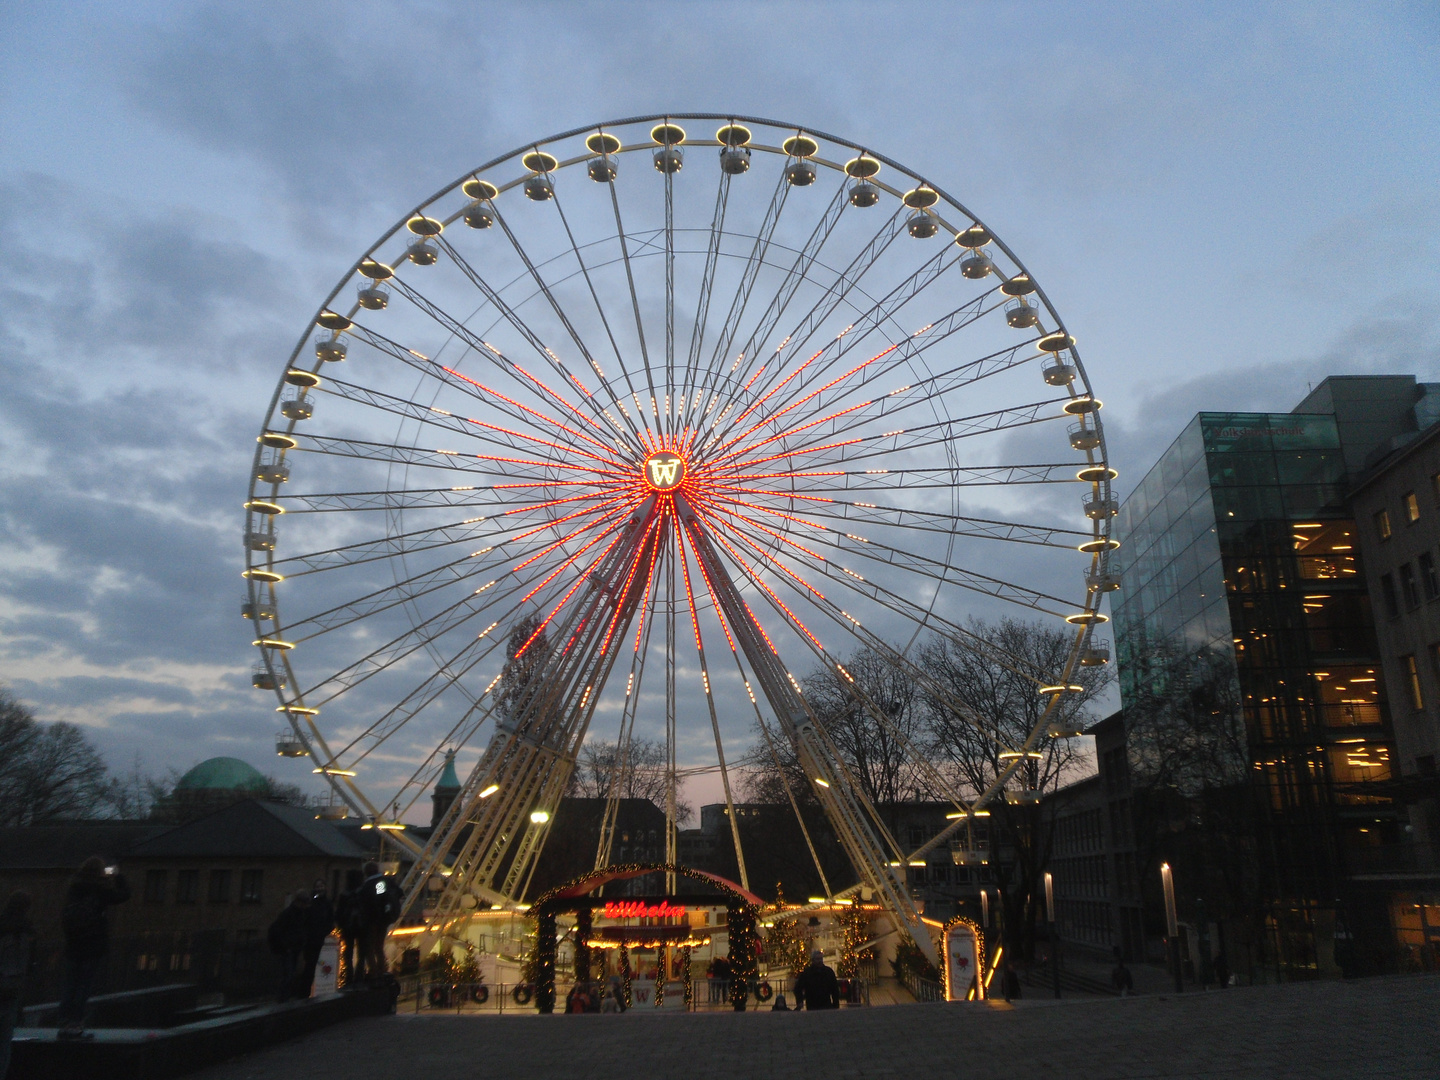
[(17, 956), (1010, 982), (817, 987), (1221, 967), (348, 918), (719, 979), (94, 889), (380, 905), (1120, 977), (288, 937)]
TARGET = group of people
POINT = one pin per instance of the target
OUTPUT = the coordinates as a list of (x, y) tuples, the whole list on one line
[(362, 915), (96, 887), (596, 997)]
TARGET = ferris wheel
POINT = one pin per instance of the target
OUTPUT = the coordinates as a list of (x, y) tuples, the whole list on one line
[(629, 430)]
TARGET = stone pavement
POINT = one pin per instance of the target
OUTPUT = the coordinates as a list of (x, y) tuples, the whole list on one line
[(1386, 1028)]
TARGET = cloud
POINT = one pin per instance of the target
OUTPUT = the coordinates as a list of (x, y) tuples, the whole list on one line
[(1397, 338), (337, 100)]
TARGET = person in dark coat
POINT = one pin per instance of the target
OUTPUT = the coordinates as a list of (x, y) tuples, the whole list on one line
[(94, 889), (719, 979), (348, 919), (817, 987), (17, 960), (380, 903), (1010, 982), (321, 920), (288, 936), (1221, 967)]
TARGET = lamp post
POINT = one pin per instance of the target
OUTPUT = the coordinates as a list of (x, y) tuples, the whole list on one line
[(1054, 935), (1172, 928)]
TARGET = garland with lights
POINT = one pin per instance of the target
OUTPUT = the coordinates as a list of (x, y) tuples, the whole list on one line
[(854, 931), (740, 920), (689, 981), (625, 977), (662, 970), (974, 927), (740, 923)]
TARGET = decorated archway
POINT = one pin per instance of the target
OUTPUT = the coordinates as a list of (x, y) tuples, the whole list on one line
[(580, 896)]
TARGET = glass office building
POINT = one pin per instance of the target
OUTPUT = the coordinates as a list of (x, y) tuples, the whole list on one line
[(1240, 572)]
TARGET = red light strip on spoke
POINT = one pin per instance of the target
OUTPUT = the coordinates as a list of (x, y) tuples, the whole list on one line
[(750, 571), (565, 599), (651, 527), (552, 421), (554, 573), (709, 587)]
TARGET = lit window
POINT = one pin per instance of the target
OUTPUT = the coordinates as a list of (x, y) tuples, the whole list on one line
[(1382, 524), (1412, 508), (1412, 677)]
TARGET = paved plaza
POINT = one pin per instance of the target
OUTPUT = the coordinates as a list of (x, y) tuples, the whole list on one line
[(1386, 1028)]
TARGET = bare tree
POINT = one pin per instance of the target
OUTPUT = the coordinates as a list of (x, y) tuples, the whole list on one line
[(986, 704), (638, 773), (47, 771)]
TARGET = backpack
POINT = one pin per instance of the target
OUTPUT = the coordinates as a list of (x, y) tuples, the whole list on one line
[(382, 898)]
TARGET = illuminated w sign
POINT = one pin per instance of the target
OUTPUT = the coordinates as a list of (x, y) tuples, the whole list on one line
[(664, 470), (662, 473)]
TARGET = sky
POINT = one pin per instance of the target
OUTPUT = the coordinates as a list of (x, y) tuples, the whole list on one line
[(1227, 202)]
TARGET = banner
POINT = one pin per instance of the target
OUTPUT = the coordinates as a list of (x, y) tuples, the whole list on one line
[(962, 963)]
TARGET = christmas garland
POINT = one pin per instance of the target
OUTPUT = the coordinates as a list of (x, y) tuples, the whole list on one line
[(625, 976), (689, 981), (974, 927), (855, 929)]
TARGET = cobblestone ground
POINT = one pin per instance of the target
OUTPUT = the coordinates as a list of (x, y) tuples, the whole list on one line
[(1386, 1028)]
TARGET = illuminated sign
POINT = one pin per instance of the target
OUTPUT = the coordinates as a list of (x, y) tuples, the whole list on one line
[(638, 909), (664, 470)]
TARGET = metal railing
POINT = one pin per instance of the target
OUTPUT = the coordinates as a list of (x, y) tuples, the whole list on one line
[(921, 989), (428, 993)]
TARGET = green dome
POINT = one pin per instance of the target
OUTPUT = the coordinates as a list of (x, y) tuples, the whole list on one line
[(223, 774)]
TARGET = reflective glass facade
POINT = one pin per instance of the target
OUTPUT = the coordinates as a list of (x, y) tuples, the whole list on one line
[(1238, 561)]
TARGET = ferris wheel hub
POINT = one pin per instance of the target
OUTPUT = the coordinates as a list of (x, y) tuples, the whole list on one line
[(663, 471)]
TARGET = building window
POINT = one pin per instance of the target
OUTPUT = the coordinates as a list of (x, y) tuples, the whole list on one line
[(1408, 587), (1412, 507), (155, 886), (1429, 583), (250, 881), (187, 886), (1387, 592), (1382, 524), (1435, 486), (1412, 679), (219, 886)]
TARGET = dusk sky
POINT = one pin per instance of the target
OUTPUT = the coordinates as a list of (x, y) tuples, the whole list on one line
[(1226, 203)]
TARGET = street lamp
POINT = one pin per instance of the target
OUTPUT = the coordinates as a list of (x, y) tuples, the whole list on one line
[(1172, 928), (1054, 936)]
